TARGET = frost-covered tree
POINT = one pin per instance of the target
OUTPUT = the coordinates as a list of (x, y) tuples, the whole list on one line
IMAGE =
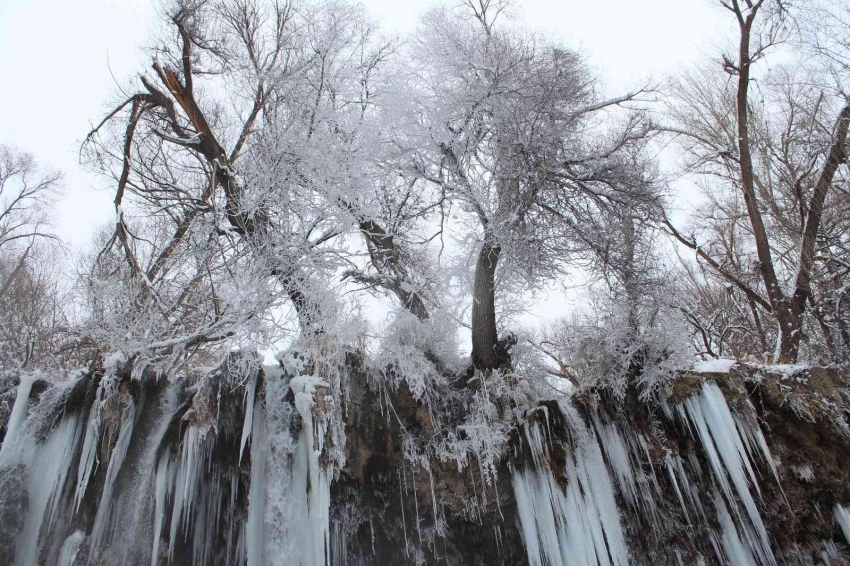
[(516, 137), (239, 167)]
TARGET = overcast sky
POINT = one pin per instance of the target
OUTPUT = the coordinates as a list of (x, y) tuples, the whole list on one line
[(61, 62)]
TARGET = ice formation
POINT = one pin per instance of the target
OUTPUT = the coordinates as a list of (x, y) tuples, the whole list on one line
[(730, 459), (70, 548), (842, 517), (579, 525), (237, 470)]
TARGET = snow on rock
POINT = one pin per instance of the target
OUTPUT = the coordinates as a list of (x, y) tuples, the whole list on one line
[(304, 386), (113, 361), (718, 365)]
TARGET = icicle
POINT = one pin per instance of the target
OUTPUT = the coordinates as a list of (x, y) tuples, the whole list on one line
[(842, 517), (254, 532), (88, 456), (754, 435), (18, 414), (736, 551), (248, 424), (340, 548), (618, 458), (579, 526), (70, 549), (671, 471), (128, 417), (724, 448), (160, 490)]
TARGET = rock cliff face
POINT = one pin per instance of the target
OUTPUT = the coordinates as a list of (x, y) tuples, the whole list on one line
[(314, 462)]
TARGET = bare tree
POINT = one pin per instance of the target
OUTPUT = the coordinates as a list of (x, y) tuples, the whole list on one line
[(32, 307), (784, 168), (27, 197), (33, 310)]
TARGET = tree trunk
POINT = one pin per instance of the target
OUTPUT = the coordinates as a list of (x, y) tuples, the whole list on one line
[(790, 322), (484, 335)]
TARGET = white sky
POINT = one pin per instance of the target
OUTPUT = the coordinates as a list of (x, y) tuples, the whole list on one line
[(61, 62)]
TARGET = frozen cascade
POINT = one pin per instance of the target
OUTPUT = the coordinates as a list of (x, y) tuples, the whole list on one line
[(160, 493), (317, 549), (128, 417), (729, 455), (134, 505), (842, 517), (289, 501), (277, 512), (52, 460), (578, 526)]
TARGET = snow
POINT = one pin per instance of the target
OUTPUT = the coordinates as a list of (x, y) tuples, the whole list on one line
[(114, 360), (718, 365), (788, 369)]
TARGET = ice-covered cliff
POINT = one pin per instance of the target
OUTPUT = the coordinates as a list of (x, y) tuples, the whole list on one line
[(323, 460)]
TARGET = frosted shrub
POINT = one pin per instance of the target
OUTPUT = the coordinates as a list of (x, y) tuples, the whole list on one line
[(646, 345), (412, 350)]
